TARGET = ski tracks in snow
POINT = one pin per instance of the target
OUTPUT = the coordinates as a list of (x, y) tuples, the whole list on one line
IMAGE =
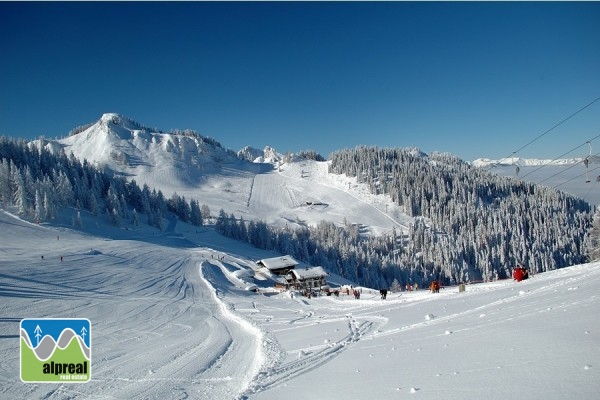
[(266, 317), (307, 359)]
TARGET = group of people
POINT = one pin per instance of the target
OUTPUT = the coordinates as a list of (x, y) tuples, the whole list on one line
[(355, 292), (434, 287), (410, 288)]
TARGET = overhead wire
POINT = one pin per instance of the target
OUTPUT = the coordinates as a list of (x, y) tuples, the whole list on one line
[(554, 127), (563, 171), (514, 153), (593, 186), (561, 156), (573, 178)]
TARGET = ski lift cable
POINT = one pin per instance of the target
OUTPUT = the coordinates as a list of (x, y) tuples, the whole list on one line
[(559, 172), (554, 127), (565, 170), (572, 179), (562, 155), (593, 186)]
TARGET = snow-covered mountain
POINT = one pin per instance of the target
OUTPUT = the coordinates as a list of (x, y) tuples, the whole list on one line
[(268, 155), (180, 158), (281, 190), (523, 162)]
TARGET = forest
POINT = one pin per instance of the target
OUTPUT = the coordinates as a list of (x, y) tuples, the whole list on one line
[(39, 183), (469, 225)]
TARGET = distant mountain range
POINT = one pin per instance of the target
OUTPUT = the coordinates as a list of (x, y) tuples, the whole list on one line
[(524, 162)]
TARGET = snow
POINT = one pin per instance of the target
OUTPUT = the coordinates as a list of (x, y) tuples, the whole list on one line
[(523, 162), (281, 194), (175, 314), (171, 318)]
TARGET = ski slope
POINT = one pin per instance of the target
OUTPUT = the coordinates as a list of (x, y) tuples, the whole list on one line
[(295, 193), (172, 319), (303, 193), (158, 331)]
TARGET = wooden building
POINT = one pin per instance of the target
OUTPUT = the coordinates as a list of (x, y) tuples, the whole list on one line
[(278, 265), (307, 278)]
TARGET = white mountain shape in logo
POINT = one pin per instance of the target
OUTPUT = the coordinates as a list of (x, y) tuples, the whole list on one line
[(47, 345)]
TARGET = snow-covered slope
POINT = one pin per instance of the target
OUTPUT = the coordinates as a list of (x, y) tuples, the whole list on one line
[(265, 185), (168, 160), (296, 192), (171, 319)]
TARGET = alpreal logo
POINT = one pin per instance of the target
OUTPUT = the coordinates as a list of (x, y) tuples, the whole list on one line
[(56, 350)]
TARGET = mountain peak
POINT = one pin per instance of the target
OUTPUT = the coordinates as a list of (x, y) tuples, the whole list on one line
[(124, 122), (110, 117)]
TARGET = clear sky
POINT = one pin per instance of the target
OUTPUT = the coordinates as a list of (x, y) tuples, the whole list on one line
[(475, 79)]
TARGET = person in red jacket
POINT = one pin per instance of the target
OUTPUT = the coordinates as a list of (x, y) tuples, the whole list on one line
[(518, 274)]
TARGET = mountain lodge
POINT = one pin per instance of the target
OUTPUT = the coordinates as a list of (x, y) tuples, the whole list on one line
[(278, 265)]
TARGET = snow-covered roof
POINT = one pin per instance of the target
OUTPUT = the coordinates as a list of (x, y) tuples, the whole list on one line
[(307, 273), (279, 279), (276, 263)]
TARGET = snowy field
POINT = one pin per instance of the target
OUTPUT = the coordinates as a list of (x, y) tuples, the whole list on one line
[(171, 319)]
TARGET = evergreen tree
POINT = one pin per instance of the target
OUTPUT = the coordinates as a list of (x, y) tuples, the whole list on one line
[(20, 195), (116, 217), (195, 213), (134, 218), (49, 207), (205, 212), (5, 182), (39, 212)]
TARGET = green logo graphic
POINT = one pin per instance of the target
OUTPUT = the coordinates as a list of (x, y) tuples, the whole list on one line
[(56, 350)]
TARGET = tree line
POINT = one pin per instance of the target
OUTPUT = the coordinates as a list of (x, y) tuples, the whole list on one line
[(469, 225), (39, 182)]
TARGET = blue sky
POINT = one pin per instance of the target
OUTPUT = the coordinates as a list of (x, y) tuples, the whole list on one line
[(475, 79)]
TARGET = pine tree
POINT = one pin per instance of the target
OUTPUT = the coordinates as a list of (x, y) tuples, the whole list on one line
[(49, 208), (195, 214), (39, 212), (205, 212), (77, 221), (5, 183), (20, 195), (116, 217), (134, 218)]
